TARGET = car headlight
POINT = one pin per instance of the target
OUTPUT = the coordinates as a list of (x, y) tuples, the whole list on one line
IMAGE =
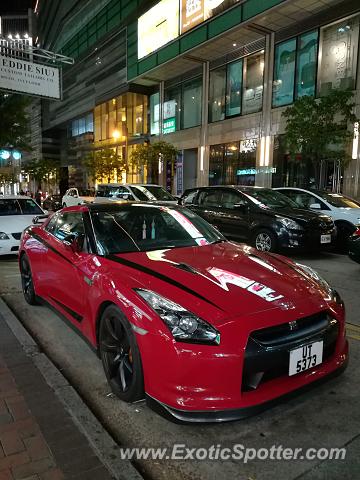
[(289, 223), (3, 236), (310, 272), (184, 325)]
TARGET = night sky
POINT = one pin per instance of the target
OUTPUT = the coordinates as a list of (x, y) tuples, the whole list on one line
[(15, 6)]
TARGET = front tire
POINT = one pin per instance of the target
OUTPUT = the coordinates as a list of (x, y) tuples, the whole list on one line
[(265, 241), (27, 282), (120, 355)]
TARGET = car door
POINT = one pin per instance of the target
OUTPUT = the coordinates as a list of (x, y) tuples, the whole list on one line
[(233, 221), (65, 270), (208, 205)]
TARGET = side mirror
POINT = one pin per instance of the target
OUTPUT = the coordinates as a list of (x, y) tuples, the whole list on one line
[(39, 219), (74, 242), (76, 196), (315, 206)]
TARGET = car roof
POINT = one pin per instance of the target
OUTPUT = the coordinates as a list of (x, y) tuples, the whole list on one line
[(15, 197), (130, 185), (236, 187), (114, 206)]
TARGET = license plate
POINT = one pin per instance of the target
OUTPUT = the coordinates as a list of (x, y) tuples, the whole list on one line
[(325, 239), (305, 357)]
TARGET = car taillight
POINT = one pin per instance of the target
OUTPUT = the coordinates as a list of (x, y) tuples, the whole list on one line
[(357, 232)]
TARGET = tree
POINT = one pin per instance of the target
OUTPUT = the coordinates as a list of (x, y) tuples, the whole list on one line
[(42, 170), (104, 163), (317, 128), (149, 155), (14, 123)]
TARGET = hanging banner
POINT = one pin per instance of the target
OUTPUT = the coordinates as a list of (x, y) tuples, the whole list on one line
[(21, 76)]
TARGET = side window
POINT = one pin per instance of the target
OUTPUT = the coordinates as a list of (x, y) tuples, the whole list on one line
[(210, 198), (50, 227), (123, 193), (231, 198), (189, 198), (67, 224)]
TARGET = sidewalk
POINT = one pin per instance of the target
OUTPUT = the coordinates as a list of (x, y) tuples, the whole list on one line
[(38, 438)]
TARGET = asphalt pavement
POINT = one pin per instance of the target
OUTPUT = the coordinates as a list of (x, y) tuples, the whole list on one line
[(325, 417)]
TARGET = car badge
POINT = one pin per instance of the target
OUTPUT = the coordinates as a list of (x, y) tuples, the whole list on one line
[(293, 325)]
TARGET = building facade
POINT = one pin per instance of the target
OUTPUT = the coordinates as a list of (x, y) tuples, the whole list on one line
[(212, 77)]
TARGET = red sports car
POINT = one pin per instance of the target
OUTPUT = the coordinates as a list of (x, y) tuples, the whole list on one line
[(204, 329)]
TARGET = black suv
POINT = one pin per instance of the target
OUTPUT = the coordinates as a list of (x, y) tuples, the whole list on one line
[(260, 216)]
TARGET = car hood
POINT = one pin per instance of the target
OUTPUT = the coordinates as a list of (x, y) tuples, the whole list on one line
[(352, 214), (15, 223), (236, 279), (299, 214)]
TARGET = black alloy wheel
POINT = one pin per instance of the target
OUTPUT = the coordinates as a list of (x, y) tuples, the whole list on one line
[(120, 355), (27, 282)]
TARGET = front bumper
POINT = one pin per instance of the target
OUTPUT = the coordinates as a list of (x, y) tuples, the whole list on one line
[(218, 416), (210, 384), (308, 239), (9, 247)]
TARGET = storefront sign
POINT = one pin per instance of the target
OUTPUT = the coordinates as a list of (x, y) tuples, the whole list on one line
[(180, 174), (169, 109), (255, 171), (194, 12), (158, 26), (28, 77), (355, 141), (169, 125)]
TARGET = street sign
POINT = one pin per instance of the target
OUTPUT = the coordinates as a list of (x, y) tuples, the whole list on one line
[(169, 125)]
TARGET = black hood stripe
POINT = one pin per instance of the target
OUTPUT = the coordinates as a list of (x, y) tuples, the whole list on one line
[(47, 245), (160, 276)]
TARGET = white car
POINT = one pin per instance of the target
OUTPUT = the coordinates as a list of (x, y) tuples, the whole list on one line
[(344, 210), (74, 196), (16, 213), (132, 192)]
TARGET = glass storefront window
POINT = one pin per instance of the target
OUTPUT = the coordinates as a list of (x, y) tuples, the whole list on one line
[(247, 162), (217, 94), (253, 83), (216, 165), (339, 51), (233, 88), (172, 106), (284, 73), (97, 132), (192, 96), (154, 114), (104, 122), (231, 163), (306, 64)]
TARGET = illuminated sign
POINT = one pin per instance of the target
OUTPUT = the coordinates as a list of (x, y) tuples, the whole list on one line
[(255, 171), (4, 154), (169, 125), (169, 109), (355, 141), (194, 12), (158, 26), (28, 77)]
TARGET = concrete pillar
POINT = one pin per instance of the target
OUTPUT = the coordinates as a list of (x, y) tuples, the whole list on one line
[(264, 155), (203, 150)]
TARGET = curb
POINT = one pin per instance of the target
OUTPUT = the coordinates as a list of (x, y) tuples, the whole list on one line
[(102, 443)]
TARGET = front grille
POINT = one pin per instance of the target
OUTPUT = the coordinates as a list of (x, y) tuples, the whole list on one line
[(267, 350), (16, 235)]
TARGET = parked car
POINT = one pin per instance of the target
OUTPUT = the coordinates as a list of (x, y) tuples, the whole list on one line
[(171, 306), (262, 217), (354, 246), (344, 210), (74, 196), (52, 202), (16, 213), (133, 192)]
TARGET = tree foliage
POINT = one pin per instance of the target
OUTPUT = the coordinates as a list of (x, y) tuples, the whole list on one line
[(149, 154), (42, 169), (14, 122), (317, 128), (105, 163)]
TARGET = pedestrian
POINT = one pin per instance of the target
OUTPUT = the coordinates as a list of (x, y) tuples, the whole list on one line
[(38, 196)]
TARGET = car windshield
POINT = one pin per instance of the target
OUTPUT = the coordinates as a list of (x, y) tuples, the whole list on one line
[(338, 200), (19, 206), (269, 198), (134, 228), (151, 193), (108, 191)]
